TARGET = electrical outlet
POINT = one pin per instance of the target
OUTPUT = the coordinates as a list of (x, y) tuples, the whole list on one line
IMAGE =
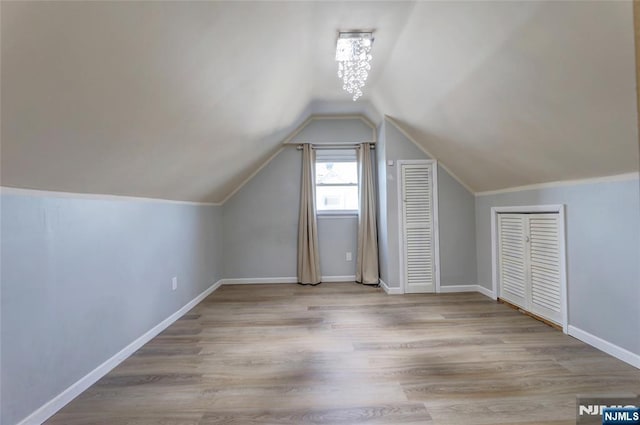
[(348, 256), (174, 283)]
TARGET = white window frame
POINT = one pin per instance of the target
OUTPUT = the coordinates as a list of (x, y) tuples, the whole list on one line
[(336, 213)]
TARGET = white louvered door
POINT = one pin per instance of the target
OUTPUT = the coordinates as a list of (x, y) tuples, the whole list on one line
[(513, 267), (529, 263), (544, 258), (418, 227)]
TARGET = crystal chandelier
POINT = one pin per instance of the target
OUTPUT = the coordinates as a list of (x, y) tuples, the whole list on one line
[(353, 53)]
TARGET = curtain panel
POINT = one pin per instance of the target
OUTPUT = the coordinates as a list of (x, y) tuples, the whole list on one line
[(308, 253), (367, 259)]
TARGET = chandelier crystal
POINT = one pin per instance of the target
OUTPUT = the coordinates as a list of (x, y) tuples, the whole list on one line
[(353, 54)]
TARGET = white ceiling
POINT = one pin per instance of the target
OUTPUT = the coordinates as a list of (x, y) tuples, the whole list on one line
[(514, 93), (182, 100)]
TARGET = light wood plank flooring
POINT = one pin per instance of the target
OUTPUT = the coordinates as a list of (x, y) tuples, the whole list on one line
[(346, 354)]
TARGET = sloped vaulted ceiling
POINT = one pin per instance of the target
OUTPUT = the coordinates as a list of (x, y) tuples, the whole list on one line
[(182, 100), (515, 93)]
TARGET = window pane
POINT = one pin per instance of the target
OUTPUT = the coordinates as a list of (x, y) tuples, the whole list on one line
[(336, 198), (336, 172)]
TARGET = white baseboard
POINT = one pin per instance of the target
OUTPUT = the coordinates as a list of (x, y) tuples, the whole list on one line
[(458, 288), (388, 290), (602, 345), (260, 280), (58, 402), (351, 278), (257, 280), (486, 292), (467, 288)]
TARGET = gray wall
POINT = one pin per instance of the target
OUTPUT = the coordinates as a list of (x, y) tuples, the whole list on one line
[(81, 279), (457, 226), (456, 207), (335, 130), (261, 226), (603, 253), (381, 186), (261, 219), (336, 237)]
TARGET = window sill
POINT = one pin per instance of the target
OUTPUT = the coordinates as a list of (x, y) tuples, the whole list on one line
[(337, 214)]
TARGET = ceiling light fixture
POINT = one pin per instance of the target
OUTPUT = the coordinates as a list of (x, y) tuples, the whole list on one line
[(353, 54)]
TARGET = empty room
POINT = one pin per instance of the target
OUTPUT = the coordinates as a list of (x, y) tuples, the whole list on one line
[(319, 212)]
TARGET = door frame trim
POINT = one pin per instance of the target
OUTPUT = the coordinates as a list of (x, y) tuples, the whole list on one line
[(436, 223), (553, 208)]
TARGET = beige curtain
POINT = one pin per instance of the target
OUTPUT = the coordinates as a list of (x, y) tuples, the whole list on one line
[(367, 261), (308, 254)]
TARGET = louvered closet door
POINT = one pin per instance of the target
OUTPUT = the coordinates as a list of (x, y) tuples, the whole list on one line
[(513, 258), (544, 257), (529, 263), (417, 214)]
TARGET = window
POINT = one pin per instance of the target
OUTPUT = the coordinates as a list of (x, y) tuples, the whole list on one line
[(336, 181)]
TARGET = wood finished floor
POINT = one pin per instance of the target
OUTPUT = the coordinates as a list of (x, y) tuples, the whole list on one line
[(347, 354)]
